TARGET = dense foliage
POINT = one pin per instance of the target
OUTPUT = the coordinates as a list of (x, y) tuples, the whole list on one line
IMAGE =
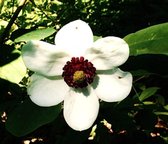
[(141, 118)]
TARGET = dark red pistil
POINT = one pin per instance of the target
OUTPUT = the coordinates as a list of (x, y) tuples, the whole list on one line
[(78, 64)]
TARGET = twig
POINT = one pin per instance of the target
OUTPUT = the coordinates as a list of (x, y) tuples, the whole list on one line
[(12, 20)]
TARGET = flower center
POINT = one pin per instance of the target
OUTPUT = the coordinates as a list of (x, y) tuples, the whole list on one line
[(78, 72), (79, 76)]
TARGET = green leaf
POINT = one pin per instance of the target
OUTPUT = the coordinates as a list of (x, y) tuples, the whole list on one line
[(148, 93), (13, 71), (151, 40), (27, 117), (166, 107), (36, 35), (96, 37), (161, 113)]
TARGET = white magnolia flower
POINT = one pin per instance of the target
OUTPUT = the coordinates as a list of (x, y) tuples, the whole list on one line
[(78, 71)]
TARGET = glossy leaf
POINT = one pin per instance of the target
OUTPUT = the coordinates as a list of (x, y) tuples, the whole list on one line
[(36, 35), (27, 117), (147, 64), (166, 107), (13, 71), (161, 113), (148, 93), (151, 40)]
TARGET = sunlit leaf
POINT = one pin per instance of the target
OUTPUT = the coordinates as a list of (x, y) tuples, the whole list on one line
[(151, 40), (36, 35), (162, 113), (27, 117), (95, 38), (13, 71), (166, 107), (148, 93)]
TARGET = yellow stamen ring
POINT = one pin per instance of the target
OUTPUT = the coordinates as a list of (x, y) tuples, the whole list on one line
[(79, 76)]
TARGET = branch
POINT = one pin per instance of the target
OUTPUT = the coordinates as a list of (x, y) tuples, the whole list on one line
[(12, 20)]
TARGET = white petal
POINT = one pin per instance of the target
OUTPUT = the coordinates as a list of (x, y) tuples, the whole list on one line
[(114, 87), (81, 109), (75, 37), (109, 52), (44, 58), (47, 92)]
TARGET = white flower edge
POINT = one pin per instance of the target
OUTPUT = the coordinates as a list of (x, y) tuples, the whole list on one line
[(46, 92), (108, 52), (75, 37), (115, 86), (81, 109), (44, 58), (48, 59)]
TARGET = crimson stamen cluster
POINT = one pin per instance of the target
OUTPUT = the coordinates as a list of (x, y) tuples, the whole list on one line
[(78, 64)]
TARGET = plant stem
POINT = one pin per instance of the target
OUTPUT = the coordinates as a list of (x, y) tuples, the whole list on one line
[(12, 20)]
